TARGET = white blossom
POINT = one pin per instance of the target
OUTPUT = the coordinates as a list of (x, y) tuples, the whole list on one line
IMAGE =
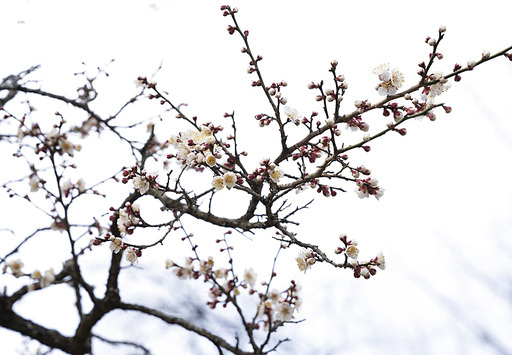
[(250, 276)]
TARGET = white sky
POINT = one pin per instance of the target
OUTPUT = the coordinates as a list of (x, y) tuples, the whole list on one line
[(446, 216)]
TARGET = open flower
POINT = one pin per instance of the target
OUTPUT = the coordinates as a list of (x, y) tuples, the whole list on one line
[(250, 276), (230, 179), (284, 312), (292, 114), (441, 86), (15, 267), (33, 183), (116, 245), (390, 81), (48, 278), (131, 255), (380, 261), (275, 174), (352, 252), (210, 160), (141, 184), (218, 183), (304, 260)]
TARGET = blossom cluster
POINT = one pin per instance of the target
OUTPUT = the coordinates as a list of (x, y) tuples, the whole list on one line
[(390, 81), (141, 181), (42, 280), (369, 187), (57, 141), (227, 180), (351, 252), (196, 149), (128, 218), (305, 260), (307, 257), (430, 92), (366, 187), (279, 306), (267, 170), (273, 305)]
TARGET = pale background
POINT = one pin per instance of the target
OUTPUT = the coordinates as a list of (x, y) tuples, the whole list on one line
[(444, 222)]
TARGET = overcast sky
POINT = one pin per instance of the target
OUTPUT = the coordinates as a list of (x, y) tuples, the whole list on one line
[(444, 222)]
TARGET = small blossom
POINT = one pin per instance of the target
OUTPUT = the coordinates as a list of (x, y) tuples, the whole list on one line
[(284, 312), (365, 273), (381, 261), (15, 267), (352, 252), (210, 160), (131, 255), (33, 183), (48, 278), (218, 183), (390, 81), (292, 114), (275, 174), (139, 82), (302, 260), (440, 87), (230, 179), (141, 184), (36, 275), (221, 273), (115, 245), (169, 263), (250, 276), (81, 185)]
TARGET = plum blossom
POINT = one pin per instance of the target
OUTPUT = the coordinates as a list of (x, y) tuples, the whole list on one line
[(127, 218), (304, 260), (131, 255), (437, 89), (33, 183), (293, 115), (367, 187), (116, 244), (48, 278), (391, 81), (284, 312), (250, 276), (229, 179), (15, 266), (380, 261), (218, 183), (352, 252), (196, 148), (141, 184), (210, 160), (186, 272), (275, 174)]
